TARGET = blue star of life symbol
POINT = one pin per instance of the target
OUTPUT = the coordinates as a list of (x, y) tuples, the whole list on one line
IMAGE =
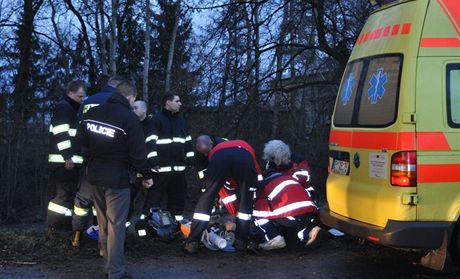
[(347, 89), (377, 89)]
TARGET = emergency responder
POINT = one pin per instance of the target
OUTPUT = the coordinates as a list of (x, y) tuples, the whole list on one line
[(64, 156), (282, 200), (114, 139), (234, 159), (140, 109), (170, 151), (204, 144), (83, 200)]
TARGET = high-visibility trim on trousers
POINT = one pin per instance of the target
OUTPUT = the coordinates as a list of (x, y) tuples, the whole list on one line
[(190, 154), (201, 217), (57, 158), (244, 216), (284, 209), (80, 211), (59, 209)]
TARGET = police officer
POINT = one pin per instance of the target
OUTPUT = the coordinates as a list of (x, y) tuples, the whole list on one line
[(234, 159), (64, 156), (114, 139), (83, 200), (170, 150)]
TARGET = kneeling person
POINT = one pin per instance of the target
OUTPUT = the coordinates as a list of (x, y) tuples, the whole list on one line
[(283, 201)]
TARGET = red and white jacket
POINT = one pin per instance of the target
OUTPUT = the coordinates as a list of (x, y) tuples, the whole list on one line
[(227, 193), (283, 195)]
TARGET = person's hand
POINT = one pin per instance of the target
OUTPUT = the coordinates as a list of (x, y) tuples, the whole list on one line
[(69, 164), (147, 183)]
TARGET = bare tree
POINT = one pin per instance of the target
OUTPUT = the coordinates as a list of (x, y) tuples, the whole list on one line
[(102, 37), (172, 46), (89, 50), (145, 75), (113, 37)]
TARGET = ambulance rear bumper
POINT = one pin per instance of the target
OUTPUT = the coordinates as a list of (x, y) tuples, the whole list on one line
[(397, 234)]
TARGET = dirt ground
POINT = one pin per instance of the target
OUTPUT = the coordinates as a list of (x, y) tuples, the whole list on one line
[(26, 253)]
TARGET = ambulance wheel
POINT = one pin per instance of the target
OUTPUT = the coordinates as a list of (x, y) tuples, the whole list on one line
[(454, 246)]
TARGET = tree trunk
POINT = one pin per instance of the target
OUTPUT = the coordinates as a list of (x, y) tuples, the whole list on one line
[(279, 70), (103, 38), (145, 76), (89, 51), (113, 38), (21, 94), (172, 46)]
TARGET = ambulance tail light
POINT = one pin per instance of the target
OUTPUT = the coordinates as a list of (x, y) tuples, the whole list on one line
[(404, 169)]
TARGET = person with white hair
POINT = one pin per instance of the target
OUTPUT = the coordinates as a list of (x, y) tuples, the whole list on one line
[(283, 200)]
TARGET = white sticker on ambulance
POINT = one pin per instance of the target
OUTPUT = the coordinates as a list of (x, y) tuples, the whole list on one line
[(378, 165)]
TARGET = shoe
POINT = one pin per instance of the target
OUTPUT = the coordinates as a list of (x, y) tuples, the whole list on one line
[(240, 244), (277, 242), (75, 239), (192, 247), (315, 236)]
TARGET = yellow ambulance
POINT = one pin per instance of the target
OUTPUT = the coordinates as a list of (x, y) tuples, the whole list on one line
[(394, 161)]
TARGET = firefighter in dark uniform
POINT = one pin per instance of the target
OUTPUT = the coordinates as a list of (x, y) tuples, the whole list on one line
[(170, 151), (64, 156), (140, 109), (114, 139), (83, 200), (233, 159)]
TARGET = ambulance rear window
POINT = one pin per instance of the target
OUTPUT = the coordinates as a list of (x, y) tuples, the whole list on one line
[(453, 94), (346, 101), (373, 86)]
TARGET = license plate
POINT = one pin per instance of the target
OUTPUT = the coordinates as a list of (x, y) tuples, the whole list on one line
[(340, 167)]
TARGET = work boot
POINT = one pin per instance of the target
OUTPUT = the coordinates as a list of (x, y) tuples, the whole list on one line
[(277, 242), (240, 245), (191, 247), (75, 239)]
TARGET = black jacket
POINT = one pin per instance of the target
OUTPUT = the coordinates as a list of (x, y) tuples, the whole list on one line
[(169, 144), (62, 133), (114, 138), (201, 161)]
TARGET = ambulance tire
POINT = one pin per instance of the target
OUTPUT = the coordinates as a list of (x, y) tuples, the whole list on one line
[(454, 247)]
